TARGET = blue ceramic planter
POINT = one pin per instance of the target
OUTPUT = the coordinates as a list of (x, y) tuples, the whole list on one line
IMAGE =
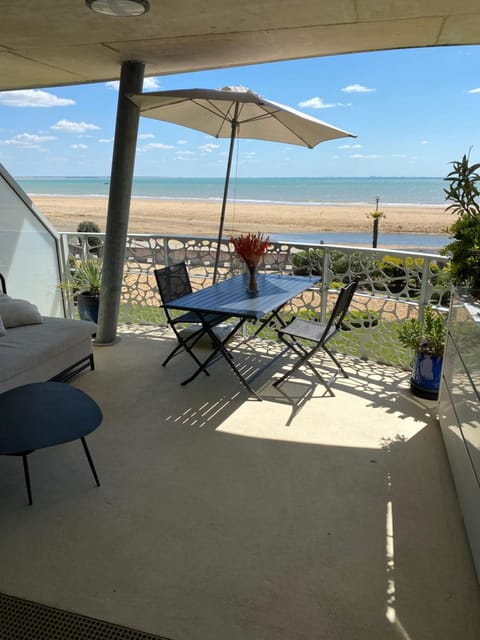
[(88, 306), (426, 375)]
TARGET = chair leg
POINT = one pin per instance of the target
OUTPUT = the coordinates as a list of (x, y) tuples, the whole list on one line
[(27, 479), (182, 346), (345, 374), (90, 461), (297, 365), (303, 355), (304, 359)]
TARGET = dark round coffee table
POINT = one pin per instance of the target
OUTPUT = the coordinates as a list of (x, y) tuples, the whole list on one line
[(44, 414)]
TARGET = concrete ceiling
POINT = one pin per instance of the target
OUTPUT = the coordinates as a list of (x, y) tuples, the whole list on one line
[(58, 42)]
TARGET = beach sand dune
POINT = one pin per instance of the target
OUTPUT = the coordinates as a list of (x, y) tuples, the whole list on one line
[(193, 218)]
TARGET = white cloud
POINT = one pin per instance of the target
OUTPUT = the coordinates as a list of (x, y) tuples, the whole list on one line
[(350, 146), (357, 88), (209, 147), (425, 142), (363, 156), (28, 140), (33, 98), (316, 103), (79, 146), (477, 90), (185, 152), (74, 127), (106, 140), (399, 155), (148, 84), (151, 83), (181, 142), (145, 136), (156, 145)]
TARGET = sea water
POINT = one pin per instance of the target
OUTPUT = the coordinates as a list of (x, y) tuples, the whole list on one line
[(299, 191)]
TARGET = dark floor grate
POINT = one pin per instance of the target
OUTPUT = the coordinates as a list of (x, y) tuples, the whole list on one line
[(25, 620)]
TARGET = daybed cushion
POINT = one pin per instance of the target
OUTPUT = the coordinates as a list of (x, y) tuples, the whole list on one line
[(38, 352), (15, 313)]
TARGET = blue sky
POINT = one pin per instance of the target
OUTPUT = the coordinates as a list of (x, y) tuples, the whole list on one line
[(413, 111)]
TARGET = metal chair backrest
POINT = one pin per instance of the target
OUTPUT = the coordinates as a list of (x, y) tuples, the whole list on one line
[(341, 305), (173, 282)]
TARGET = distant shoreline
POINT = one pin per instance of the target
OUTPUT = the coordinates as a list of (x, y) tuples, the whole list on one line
[(246, 201), (200, 218), (288, 191)]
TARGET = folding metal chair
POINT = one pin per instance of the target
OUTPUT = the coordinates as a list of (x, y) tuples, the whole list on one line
[(317, 335), (173, 282)]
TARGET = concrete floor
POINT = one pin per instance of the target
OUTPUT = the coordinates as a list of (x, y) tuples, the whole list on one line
[(221, 517)]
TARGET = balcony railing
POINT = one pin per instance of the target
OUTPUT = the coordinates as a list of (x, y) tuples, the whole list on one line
[(394, 285)]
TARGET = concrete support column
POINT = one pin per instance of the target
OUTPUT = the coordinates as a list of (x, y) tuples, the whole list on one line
[(123, 162)]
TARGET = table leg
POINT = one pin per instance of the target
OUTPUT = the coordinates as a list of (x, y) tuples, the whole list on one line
[(220, 349), (90, 461), (27, 478)]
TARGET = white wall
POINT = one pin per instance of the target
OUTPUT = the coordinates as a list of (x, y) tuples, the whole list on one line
[(29, 250)]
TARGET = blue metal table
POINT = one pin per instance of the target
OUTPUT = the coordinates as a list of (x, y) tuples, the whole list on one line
[(231, 298)]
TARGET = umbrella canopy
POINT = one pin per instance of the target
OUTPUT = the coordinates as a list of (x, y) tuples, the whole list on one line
[(235, 112)]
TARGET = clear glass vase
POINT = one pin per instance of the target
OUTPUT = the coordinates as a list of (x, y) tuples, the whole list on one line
[(252, 287)]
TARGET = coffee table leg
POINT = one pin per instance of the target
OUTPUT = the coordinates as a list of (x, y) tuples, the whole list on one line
[(90, 461), (27, 479)]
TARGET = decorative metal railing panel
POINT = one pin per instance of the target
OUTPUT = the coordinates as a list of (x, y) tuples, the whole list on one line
[(394, 285)]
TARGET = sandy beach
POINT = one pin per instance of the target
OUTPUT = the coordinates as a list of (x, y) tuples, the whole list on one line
[(201, 218)]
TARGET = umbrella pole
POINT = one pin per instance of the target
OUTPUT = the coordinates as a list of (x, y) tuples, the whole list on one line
[(225, 192)]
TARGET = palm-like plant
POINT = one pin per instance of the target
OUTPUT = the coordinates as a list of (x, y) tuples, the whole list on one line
[(376, 215), (86, 277), (463, 189), (464, 249)]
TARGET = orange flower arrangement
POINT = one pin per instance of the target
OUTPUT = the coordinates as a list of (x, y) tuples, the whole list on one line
[(251, 247)]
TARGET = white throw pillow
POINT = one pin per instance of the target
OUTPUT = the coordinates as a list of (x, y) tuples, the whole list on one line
[(15, 313)]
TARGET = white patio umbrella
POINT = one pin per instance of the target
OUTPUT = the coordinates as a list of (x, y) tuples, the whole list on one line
[(235, 112)]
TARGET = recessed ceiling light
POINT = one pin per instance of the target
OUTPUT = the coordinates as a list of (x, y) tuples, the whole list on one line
[(119, 8)]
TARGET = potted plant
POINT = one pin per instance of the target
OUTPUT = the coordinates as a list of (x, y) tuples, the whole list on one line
[(427, 339), (85, 282), (251, 248), (464, 250), (94, 243)]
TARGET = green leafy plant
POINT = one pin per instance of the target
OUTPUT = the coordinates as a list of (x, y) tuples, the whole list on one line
[(93, 242), (463, 189), (356, 319), (86, 277), (308, 262), (426, 337), (344, 267), (464, 250)]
